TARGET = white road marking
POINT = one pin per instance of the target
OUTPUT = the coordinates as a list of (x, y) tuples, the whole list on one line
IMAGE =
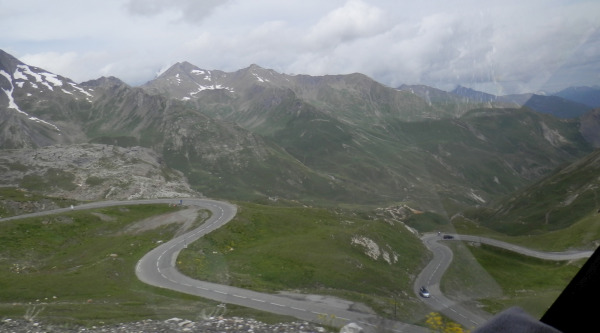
[(299, 309)]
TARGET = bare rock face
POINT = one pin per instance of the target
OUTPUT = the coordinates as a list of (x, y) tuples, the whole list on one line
[(92, 172), (590, 127)]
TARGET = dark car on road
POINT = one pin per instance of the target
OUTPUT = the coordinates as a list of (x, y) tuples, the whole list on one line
[(448, 237)]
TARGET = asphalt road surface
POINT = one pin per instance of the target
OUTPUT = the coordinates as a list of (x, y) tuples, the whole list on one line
[(158, 268), (431, 275)]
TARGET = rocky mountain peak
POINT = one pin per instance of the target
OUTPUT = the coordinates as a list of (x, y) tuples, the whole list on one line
[(8, 63), (185, 81), (184, 68), (104, 82), (24, 81), (257, 132), (254, 68), (474, 95), (35, 105), (255, 74)]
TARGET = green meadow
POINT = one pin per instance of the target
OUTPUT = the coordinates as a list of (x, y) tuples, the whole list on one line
[(311, 250), (79, 268), (498, 279)]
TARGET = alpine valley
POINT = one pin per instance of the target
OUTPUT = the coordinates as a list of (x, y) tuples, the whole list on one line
[(255, 134), (320, 168)]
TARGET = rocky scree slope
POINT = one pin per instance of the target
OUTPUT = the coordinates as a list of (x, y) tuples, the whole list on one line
[(92, 172), (255, 133), (217, 324)]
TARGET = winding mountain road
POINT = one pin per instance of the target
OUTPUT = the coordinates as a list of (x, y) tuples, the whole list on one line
[(432, 274), (158, 268)]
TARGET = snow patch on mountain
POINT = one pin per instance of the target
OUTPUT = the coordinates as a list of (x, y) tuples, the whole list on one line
[(47, 85), (207, 77), (52, 78), (260, 79), (11, 100), (209, 87), (82, 91), (26, 71), (23, 72), (13, 105)]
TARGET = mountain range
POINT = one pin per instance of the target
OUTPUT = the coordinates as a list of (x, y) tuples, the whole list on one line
[(255, 134)]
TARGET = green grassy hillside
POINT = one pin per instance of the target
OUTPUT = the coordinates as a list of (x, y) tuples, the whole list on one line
[(584, 234), (508, 279), (561, 201), (311, 250), (79, 268), (558, 213)]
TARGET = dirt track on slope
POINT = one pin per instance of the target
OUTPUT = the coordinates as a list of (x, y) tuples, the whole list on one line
[(186, 217)]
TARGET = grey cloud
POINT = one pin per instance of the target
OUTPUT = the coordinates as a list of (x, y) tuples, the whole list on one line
[(507, 47), (189, 10), (354, 20), (581, 68)]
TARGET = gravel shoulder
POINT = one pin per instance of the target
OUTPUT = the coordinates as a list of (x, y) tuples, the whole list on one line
[(186, 217)]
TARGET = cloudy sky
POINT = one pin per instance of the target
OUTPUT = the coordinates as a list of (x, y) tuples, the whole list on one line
[(500, 47)]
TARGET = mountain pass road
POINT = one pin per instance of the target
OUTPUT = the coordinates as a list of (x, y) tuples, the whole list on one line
[(158, 268), (431, 275)]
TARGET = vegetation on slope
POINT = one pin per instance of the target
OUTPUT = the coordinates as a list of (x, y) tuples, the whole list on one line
[(17, 202), (508, 279), (581, 235), (312, 250), (79, 268), (557, 202)]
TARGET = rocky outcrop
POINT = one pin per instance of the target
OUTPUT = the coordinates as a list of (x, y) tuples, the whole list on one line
[(92, 172), (230, 325)]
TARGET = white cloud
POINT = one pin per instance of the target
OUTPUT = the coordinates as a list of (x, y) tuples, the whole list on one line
[(354, 20), (75, 66), (59, 62), (499, 46)]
